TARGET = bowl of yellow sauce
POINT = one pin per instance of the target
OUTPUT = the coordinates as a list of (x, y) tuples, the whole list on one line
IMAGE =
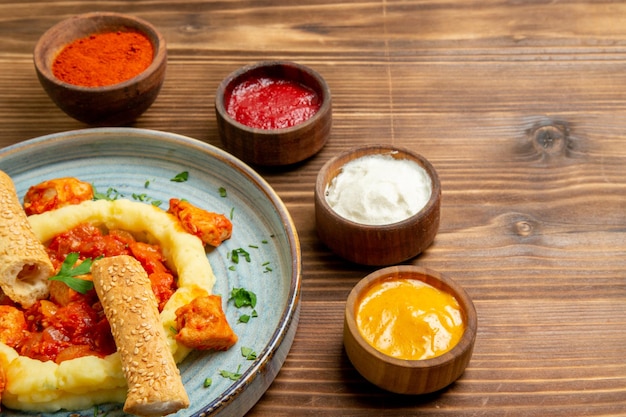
[(409, 330)]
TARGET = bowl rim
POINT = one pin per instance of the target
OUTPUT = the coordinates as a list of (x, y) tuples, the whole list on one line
[(240, 73), (444, 283), (376, 149), (146, 28)]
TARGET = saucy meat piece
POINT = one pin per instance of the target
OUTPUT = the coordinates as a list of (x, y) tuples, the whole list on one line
[(56, 193), (152, 260), (58, 333), (211, 228), (202, 325), (12, 325)]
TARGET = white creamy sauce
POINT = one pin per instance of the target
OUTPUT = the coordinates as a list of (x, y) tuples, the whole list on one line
[(379, 189)]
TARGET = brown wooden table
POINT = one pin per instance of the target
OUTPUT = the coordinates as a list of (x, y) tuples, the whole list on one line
[(519, 105)]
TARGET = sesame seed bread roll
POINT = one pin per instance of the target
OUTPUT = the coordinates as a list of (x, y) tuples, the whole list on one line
[(24, 264), (155, 387)]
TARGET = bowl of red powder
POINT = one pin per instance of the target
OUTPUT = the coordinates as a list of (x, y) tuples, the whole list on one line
[(102, 68), (273, 113)]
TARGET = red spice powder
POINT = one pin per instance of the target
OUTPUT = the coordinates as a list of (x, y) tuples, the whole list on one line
[(271, 103), (103, 59)]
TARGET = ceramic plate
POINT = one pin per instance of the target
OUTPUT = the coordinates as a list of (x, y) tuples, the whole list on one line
[(139, 164)]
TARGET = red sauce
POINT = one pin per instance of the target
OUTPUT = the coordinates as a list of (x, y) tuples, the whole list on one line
[(271, 103), (70, 324)]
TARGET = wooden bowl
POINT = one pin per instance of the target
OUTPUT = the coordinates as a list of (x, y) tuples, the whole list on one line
[(379, 245), (276, 146), (116, 104), (409, 376)]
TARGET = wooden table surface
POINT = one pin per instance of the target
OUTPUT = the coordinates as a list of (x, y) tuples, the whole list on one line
[(521, 108)]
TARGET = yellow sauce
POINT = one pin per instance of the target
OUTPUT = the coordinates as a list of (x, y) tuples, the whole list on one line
[(409, 319)]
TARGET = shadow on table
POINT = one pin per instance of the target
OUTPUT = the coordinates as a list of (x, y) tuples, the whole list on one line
[(372, 397)]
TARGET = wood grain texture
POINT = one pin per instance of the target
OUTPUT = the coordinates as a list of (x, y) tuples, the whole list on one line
[(521, 108)]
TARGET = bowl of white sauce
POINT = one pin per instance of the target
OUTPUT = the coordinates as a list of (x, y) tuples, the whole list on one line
[(377, 204)]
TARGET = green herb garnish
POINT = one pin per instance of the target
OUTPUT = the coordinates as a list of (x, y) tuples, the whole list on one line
[(207, 382), (144, 198), (96, 412), (244, 318), (235, 253), (222, 191), (111, 194), (231, 375), (69, 272), (248, 353), (181, 177), (243, 298)]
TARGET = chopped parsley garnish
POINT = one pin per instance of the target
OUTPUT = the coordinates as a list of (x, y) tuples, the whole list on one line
[(243, 298), (96, 412), (181, 177), (111, 194), (207, 382), (235, 253), (231, 375), (244, 318), (223, 193), (143, 197), (248, 353), (69, 272), (140, 197)]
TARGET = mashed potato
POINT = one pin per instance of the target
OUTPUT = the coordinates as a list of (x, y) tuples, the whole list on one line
[(33, 385)]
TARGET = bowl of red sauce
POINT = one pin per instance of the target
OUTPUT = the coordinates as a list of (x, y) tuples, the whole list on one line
[(273, 113), (102, 68), (409, 330)]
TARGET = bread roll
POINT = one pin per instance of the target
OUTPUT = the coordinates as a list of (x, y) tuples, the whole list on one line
[(24, 264), (155, 387)]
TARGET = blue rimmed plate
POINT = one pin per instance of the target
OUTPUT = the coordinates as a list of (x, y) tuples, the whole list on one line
[(140, 164)]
